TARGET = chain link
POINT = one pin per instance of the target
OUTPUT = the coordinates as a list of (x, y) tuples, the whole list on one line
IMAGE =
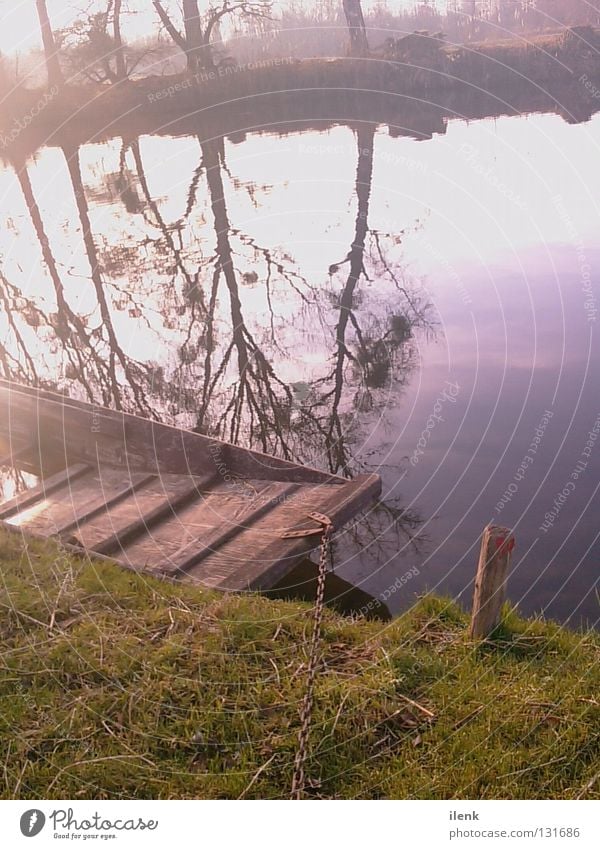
[(325, 562)]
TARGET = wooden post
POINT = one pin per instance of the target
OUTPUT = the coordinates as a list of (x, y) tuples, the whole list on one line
[(490, 582)]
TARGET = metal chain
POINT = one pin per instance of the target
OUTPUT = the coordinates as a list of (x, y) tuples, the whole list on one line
[(325, 561)]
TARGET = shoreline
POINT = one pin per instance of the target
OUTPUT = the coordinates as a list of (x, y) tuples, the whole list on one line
[(471, 81)]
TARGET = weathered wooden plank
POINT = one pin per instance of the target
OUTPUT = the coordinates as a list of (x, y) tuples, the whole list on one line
[(185, 493), (221, 505), (222, 569), (226, 562), (270, 563), (42, 490), (62, 507), (83, 431), (106, 501), (192, 522), (149, 496), (192, 554)]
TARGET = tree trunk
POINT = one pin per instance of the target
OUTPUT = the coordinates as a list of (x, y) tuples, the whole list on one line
[(169, 26), (193, 42), (55, 77), (193, 34), (356, 27), (119, 52)]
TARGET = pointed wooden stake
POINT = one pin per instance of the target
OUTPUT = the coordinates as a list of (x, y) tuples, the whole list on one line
[(490, 582)]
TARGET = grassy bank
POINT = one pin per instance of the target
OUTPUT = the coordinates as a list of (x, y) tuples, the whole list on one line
[(112, 685)]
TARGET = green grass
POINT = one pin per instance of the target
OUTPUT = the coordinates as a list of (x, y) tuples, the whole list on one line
[(116, 686)]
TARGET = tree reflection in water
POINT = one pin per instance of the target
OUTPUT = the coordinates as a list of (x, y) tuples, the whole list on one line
[(228, 377)]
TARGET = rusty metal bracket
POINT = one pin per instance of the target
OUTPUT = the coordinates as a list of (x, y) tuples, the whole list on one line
[(324, 524), (321, 518), (309, 532)]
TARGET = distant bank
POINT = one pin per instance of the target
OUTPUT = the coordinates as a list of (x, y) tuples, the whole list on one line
[(423, 76)]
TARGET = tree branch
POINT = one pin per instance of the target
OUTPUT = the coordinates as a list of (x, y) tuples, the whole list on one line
[(169, 25), (249, 9)]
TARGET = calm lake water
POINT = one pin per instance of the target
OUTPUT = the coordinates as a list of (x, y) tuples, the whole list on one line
[(351, 298)]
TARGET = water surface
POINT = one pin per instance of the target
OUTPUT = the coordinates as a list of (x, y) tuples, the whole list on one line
[(349, 298)]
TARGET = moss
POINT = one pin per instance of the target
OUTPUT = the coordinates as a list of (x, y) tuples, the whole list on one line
[(116, 686)]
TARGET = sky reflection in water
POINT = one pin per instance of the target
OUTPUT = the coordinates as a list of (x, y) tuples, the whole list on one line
[(315, 293)]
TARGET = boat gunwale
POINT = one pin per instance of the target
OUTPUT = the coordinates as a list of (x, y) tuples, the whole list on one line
[(55, 401)]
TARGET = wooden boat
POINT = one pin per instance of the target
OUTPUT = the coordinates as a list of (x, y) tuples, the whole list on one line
[(163, 500)]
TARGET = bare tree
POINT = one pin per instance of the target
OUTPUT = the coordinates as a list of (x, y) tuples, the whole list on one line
[(94, 47), (118, 40), (55, 76), (356, 26), (195, 41)]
